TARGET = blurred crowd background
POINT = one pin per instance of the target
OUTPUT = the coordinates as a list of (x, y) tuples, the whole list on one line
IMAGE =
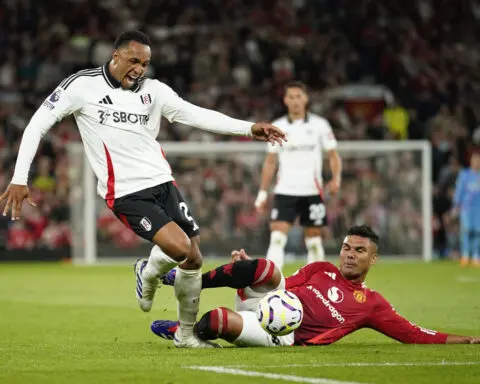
[(377, 70)]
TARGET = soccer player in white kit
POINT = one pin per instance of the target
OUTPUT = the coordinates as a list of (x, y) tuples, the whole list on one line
[(299, 187), (118, 114)]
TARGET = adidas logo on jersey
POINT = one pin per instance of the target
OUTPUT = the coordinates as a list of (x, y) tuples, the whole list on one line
[(332, 275), (106, 100)]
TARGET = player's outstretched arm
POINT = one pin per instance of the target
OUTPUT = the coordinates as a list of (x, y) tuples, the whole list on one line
[(174, 108), (59, 104), (454, 339), (18, 190), (387, 321)]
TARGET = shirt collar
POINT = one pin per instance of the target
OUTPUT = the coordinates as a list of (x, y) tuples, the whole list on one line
[(111, 81), (305, 120)]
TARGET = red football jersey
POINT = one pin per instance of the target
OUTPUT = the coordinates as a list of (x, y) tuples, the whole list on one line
[(335, 307)]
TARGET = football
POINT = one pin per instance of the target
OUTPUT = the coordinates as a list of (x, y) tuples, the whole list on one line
[(280, 312)]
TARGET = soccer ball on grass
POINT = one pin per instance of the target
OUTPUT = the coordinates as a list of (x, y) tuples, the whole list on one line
[(280, 312)]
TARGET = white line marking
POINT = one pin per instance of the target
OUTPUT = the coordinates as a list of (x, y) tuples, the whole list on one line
[(274, 376), (468, 279), (386, 364)]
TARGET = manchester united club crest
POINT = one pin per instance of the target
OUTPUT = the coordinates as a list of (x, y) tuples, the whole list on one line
[(359, 297), (146, 99)]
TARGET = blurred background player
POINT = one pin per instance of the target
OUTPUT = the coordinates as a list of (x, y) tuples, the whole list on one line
[(467, 203), (299, 189), (336, 301)]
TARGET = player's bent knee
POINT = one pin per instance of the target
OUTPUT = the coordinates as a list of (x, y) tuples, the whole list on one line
[(194, 259), (220, 323), (181, 250), (267, 275), (276, 278)]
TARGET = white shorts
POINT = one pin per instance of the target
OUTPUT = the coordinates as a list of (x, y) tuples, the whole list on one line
[(253, 334)]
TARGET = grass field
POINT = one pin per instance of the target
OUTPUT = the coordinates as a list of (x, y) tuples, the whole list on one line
[(66, 324)]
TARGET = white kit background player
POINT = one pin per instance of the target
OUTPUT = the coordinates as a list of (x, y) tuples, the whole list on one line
[(299, 187), (118, 114)]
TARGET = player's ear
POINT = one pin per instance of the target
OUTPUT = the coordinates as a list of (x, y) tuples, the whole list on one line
[(373, 259), (115, 56)]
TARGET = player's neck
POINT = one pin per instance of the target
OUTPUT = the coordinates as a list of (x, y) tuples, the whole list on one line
[(355, 280), (297, 116), (112, 75)]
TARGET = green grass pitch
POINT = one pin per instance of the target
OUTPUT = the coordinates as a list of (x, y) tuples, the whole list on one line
[(66, 324)]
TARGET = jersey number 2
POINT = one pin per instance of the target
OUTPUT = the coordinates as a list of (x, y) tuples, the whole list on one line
[(184, 208)]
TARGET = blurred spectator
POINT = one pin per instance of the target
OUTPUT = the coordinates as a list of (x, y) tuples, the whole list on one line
[(397, 120), (44, 180)]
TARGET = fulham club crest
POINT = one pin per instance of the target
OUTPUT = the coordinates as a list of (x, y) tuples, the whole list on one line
[(146, 224), (146, 99)]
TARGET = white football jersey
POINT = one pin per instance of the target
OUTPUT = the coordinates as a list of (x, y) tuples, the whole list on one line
[(300, 158), (119, 128)]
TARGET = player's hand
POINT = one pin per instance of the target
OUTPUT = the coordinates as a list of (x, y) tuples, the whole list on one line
[(268, 132), (14, 196), (239, 255), (333, 187), (475, 340), (261, 201)]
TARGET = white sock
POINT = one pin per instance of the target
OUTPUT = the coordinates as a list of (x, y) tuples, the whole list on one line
[(158, 263), (188, 284), (315, 249), (276, 249)]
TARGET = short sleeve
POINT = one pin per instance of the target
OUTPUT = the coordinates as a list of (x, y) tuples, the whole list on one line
[(327, 138)]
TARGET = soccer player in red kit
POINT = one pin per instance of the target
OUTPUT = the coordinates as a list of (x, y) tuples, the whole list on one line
[(336, 301)]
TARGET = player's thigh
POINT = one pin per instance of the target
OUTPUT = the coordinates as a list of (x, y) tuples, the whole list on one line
[(283, 212), (178, 210), (253, 335), (140, 212), (313, 212), (174, 242)]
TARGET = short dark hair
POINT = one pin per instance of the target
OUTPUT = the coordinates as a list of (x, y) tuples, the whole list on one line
[(125, 38), (364, 231), (297, 84)]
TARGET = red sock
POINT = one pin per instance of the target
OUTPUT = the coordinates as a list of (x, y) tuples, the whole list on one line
[(240, 274), (213, 324)]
